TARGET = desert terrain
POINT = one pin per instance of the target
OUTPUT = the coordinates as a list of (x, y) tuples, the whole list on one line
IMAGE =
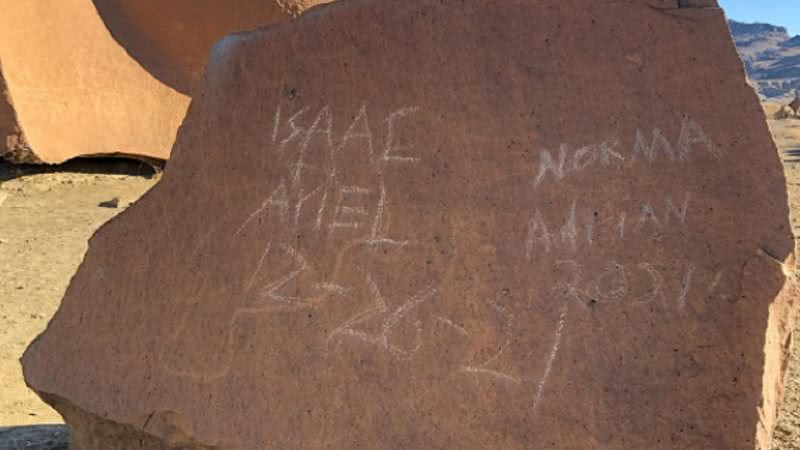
[(787, 138), (48, 214), (46, 217)]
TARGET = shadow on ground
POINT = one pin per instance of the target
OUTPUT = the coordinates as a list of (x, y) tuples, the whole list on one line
[(37, 437), (107, 166)]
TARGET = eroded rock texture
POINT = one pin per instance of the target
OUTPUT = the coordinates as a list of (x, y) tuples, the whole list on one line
[(172, 39), (70, 85), (12, 142), (445, 225), (71, 90)]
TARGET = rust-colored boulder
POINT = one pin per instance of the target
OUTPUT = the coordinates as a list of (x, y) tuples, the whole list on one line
[(439, 224), (12, 141), (68, 88), (171, 38)]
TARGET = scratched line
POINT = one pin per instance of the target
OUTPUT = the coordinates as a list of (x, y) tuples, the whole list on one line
[(562, 323), (493, 373)]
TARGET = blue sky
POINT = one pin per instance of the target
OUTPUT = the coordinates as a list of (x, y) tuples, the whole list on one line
[(785, 13)]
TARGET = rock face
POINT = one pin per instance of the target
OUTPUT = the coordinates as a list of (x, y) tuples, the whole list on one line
[(71, 90), (12, 142), (492, 224), (172, 39), (68, 88), (771, 57)]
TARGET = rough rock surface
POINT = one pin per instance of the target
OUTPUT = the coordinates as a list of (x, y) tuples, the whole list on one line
[(172, 39), (492, 224), (12, 142), (69, 83), (74, 90)]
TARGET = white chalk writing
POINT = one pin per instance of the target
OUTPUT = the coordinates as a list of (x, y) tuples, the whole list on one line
[(345, 209), (651, 148), (584, 225)]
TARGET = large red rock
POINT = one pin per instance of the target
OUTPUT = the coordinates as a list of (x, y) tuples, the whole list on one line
[(171, 38), (438, 224), (67, 89), (79, 80)]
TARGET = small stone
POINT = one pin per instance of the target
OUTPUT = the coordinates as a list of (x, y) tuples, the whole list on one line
[(113, 203)]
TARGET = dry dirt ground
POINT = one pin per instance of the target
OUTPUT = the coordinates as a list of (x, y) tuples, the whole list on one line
[(787, 137), (46, 219), (45, 222)]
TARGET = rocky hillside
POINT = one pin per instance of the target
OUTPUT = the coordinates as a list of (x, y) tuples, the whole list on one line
[(771, 56)]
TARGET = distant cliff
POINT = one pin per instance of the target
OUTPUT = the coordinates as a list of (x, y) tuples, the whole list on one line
[(770, 55)]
